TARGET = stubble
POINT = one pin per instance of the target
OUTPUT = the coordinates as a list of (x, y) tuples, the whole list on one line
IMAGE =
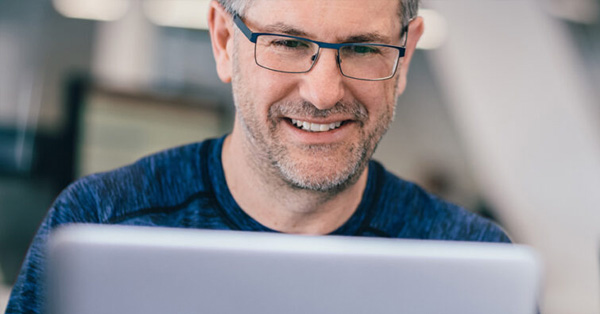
[(329, 168)]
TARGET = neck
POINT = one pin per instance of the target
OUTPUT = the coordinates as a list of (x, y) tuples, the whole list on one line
[(275, 204)]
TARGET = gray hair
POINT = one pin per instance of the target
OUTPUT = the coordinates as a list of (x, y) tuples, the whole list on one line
[(407, 10)]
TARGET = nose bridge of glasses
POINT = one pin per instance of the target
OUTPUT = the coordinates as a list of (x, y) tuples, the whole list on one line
[(317, 56), (336, 47)]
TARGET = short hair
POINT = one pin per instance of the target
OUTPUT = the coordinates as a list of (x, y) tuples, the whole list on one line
[(407, 10)]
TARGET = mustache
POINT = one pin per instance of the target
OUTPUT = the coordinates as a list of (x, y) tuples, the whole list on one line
[(307, 109)]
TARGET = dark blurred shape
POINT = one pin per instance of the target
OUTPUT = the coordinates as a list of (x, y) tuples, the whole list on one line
[(27, 194)]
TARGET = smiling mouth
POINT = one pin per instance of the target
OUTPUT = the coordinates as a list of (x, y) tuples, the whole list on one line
[(316, 127)]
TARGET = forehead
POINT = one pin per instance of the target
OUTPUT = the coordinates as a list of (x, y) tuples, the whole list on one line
[(329, 19)]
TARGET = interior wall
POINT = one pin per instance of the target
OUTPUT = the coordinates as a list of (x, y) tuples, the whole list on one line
[(529, 121)]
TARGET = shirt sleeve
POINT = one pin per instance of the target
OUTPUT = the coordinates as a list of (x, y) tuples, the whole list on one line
[(27, 295)]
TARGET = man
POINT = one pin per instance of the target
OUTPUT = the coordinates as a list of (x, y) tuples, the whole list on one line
[(315, 85)]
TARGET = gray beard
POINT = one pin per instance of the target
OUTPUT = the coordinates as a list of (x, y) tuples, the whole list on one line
[(272, 159)]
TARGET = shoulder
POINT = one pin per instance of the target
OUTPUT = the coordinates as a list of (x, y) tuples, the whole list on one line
[(158, 181), (163, 179), (405, 210)]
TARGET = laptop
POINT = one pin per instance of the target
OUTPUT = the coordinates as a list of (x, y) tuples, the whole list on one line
[(124, 269)]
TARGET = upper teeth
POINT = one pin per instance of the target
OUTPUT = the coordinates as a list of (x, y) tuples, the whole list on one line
[(315, 127)]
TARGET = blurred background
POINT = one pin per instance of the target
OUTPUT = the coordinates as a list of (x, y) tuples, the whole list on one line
[(501, 114)]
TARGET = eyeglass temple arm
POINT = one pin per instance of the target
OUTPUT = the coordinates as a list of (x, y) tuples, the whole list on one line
[(405, 30), (247, 32)]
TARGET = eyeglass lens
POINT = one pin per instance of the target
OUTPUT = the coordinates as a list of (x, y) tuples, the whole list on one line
[(361, 61)]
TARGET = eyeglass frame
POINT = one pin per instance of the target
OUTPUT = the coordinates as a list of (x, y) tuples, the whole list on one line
[(252, 37)]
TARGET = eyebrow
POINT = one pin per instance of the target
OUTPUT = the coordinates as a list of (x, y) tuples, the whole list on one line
[(284, 29), (368, 37), (358, 38)]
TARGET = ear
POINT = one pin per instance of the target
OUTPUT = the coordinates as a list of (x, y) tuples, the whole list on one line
[(221, 35), (415, 30)]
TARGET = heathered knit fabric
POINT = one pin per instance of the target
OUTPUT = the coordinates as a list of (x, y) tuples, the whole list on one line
[(185, 187)]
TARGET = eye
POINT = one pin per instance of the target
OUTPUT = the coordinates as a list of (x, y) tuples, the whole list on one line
[(290, 43), (361, 50)]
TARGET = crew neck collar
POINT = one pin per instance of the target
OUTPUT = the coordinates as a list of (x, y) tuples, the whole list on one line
[(239, 220)]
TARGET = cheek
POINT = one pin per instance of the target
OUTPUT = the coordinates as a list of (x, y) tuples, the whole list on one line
[(249, 84), (375, 96), (263, 88)]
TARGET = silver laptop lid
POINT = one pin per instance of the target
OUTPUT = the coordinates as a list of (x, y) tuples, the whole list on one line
[(117, 269)]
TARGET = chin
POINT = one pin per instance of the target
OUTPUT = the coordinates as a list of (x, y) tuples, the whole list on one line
[(322, 175)]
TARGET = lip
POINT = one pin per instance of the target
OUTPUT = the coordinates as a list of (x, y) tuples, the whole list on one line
[(320, 121), (315, 138)]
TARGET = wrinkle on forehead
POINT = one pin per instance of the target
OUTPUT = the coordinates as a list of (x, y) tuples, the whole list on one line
[(328, 20), (282, 28)]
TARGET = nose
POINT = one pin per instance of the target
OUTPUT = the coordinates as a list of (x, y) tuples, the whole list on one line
[(323, 84)]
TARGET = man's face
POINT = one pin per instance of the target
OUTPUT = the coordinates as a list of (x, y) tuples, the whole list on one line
[(350, 115)]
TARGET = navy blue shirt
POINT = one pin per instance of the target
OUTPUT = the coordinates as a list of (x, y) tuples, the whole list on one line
[(185, 187)]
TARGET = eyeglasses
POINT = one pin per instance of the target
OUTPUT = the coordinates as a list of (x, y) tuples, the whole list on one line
[(292, 54)]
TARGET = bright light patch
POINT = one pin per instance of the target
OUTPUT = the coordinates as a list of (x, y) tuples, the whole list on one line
[(100, 10), (178, 13), (436, 30)]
